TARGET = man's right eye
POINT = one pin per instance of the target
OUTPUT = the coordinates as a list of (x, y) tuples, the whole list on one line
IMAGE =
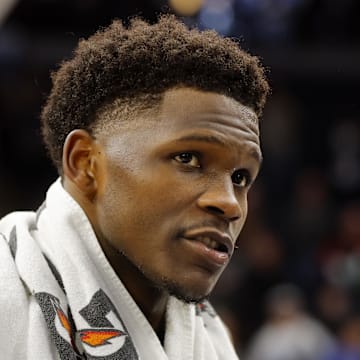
[(188, 158)]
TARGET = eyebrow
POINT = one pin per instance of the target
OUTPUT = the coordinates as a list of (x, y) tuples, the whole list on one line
[(257, 156), (203, 138), (211, 139)]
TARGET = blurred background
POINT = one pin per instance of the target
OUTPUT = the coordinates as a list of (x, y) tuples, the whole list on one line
[(292, 290)]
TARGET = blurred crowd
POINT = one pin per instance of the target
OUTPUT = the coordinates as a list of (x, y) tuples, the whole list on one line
[(292, 290)]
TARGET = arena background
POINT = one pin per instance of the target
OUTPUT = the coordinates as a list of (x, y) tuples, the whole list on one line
[(303, 227)]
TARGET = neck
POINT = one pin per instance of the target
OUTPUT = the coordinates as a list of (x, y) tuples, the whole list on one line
[(151, 300)]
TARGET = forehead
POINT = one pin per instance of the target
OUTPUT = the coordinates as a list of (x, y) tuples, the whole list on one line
[(188, 102), (188, 114), (185, 109)]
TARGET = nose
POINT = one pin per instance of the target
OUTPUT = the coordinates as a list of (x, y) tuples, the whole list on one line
[(220, 200)]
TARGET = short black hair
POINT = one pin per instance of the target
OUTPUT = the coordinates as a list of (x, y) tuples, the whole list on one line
[(143, 60)]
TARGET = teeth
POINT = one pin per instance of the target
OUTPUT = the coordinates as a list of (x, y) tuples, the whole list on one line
[(207, 241)]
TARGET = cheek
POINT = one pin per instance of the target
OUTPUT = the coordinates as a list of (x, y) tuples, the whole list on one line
[(245, 207), (132, 205), (145, 196), (238, 225)]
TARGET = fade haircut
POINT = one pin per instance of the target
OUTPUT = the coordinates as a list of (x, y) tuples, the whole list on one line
[(136, 65)]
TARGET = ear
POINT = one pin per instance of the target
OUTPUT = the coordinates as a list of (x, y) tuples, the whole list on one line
[(80, 162)]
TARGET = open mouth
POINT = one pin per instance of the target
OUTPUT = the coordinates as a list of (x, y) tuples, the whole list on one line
[(209, 247), (212, 244), (212, 238)]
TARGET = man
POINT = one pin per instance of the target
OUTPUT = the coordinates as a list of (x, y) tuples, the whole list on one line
[(154, 132)]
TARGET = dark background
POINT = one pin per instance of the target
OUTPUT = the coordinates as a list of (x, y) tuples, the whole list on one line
[(304, 218)]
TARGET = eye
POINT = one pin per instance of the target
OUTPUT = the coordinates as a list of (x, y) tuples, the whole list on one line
[(188, 158), (241, 178)]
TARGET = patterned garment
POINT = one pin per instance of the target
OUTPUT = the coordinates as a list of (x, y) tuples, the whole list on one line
[(61, 299)]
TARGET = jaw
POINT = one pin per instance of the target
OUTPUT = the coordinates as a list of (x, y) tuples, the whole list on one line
[(185, 295), (191, 287), (187, 283)]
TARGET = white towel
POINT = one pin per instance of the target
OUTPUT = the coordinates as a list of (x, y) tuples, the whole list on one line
[(61, 299)]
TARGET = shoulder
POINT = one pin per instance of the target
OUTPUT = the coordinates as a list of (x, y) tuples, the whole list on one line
[(13, 304), (12, 289), (10, 282), (13, 297)]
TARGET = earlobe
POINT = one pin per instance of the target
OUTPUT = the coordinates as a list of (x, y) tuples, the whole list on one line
[(79, 162)]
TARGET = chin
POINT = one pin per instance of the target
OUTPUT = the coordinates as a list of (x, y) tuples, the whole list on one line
[(188, 294), (190, 289), (194, 290)]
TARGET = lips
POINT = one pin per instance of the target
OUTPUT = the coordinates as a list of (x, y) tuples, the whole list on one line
[(213, 239)]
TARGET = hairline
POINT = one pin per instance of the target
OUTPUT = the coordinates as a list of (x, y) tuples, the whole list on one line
[(124, 111)]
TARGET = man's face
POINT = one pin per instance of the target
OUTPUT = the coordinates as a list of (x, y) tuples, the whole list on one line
[(172, 198)]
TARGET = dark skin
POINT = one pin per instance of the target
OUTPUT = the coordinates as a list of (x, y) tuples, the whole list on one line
[(166, 194)]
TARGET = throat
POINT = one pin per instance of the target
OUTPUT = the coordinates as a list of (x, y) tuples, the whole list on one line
[(156, 315), (160, 332), (151, 300)]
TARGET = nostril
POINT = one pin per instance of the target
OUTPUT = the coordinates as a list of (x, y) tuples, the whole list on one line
[(218, 211), (215, 209)]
